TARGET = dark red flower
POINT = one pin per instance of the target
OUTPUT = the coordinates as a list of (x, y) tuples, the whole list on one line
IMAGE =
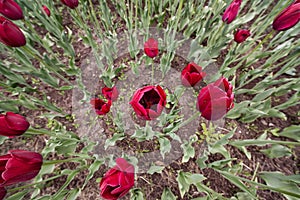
[(12, 124), (2, 193), (101, 107), (151, 47), (288, 18), (46, 10), (148, 102), (11, 9), (70, 3), (117, 182), (231, 11), (110, 93), (19, 166), (191, 75), (10, 34), (241, 35), (216, 99)]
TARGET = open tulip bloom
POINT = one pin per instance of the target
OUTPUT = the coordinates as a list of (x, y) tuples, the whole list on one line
[(110, 93), (19, 166), (11, 9), (215, 100), (70, 3), (117, 181), (148, 102), (191, 75), (101, 107)]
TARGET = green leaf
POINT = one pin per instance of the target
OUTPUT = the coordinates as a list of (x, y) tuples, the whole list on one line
[(155, 169), (19, 195), (185, 179), (2, 139), (168, 195), (277, 151), (112, 141), (164, 146), (73, 194), (236, 181), (292, 132), (136, 194), (282, 182)]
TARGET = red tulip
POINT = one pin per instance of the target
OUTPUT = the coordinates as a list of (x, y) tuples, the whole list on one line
[(11, 9), (231, 11), (10, 34), (148, 102), (19, 166), (46, 10), (2, 193), (70, 3), (12, 124), (241, 35), (216, 99), (117, 181), (110, 93), (191, 75), (151, 47), (288, 18), (101, 107)]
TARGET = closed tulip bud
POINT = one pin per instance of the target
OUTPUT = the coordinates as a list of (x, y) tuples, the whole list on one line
[(288, 18), (231, 11), (241, 35), (12, 124), (70, 3), (110, 93), (46, 10), (11, 9), (191, 75), (148, 102), (117, 182), (101, 107), (215, 100), (151, 47), (19, 166), (10, 34), (2, 193)]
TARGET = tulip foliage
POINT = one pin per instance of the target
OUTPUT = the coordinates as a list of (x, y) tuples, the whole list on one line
[(143, 99)]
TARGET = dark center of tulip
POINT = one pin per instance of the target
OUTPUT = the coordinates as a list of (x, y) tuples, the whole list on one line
[(99, 104), (150, 100), (194, 70)]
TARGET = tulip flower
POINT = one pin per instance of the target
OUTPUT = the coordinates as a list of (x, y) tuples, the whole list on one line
[(46, 10), (70, 3), (231, 11), (19, 166), (191, 75), (241, 35), (2, 193), (117, 182), (12, 124), (216, 99), (151, 47), (110, 93), (288, 18), (101, 107), (11, 9), (10, 34), (148, 102)]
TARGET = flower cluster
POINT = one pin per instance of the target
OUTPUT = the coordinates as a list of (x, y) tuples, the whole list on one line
[(103, 107)]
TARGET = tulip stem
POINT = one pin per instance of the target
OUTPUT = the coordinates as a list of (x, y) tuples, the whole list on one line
[(51, 162), (189, 120), (32, 184), (152, 78), (261, 42)]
